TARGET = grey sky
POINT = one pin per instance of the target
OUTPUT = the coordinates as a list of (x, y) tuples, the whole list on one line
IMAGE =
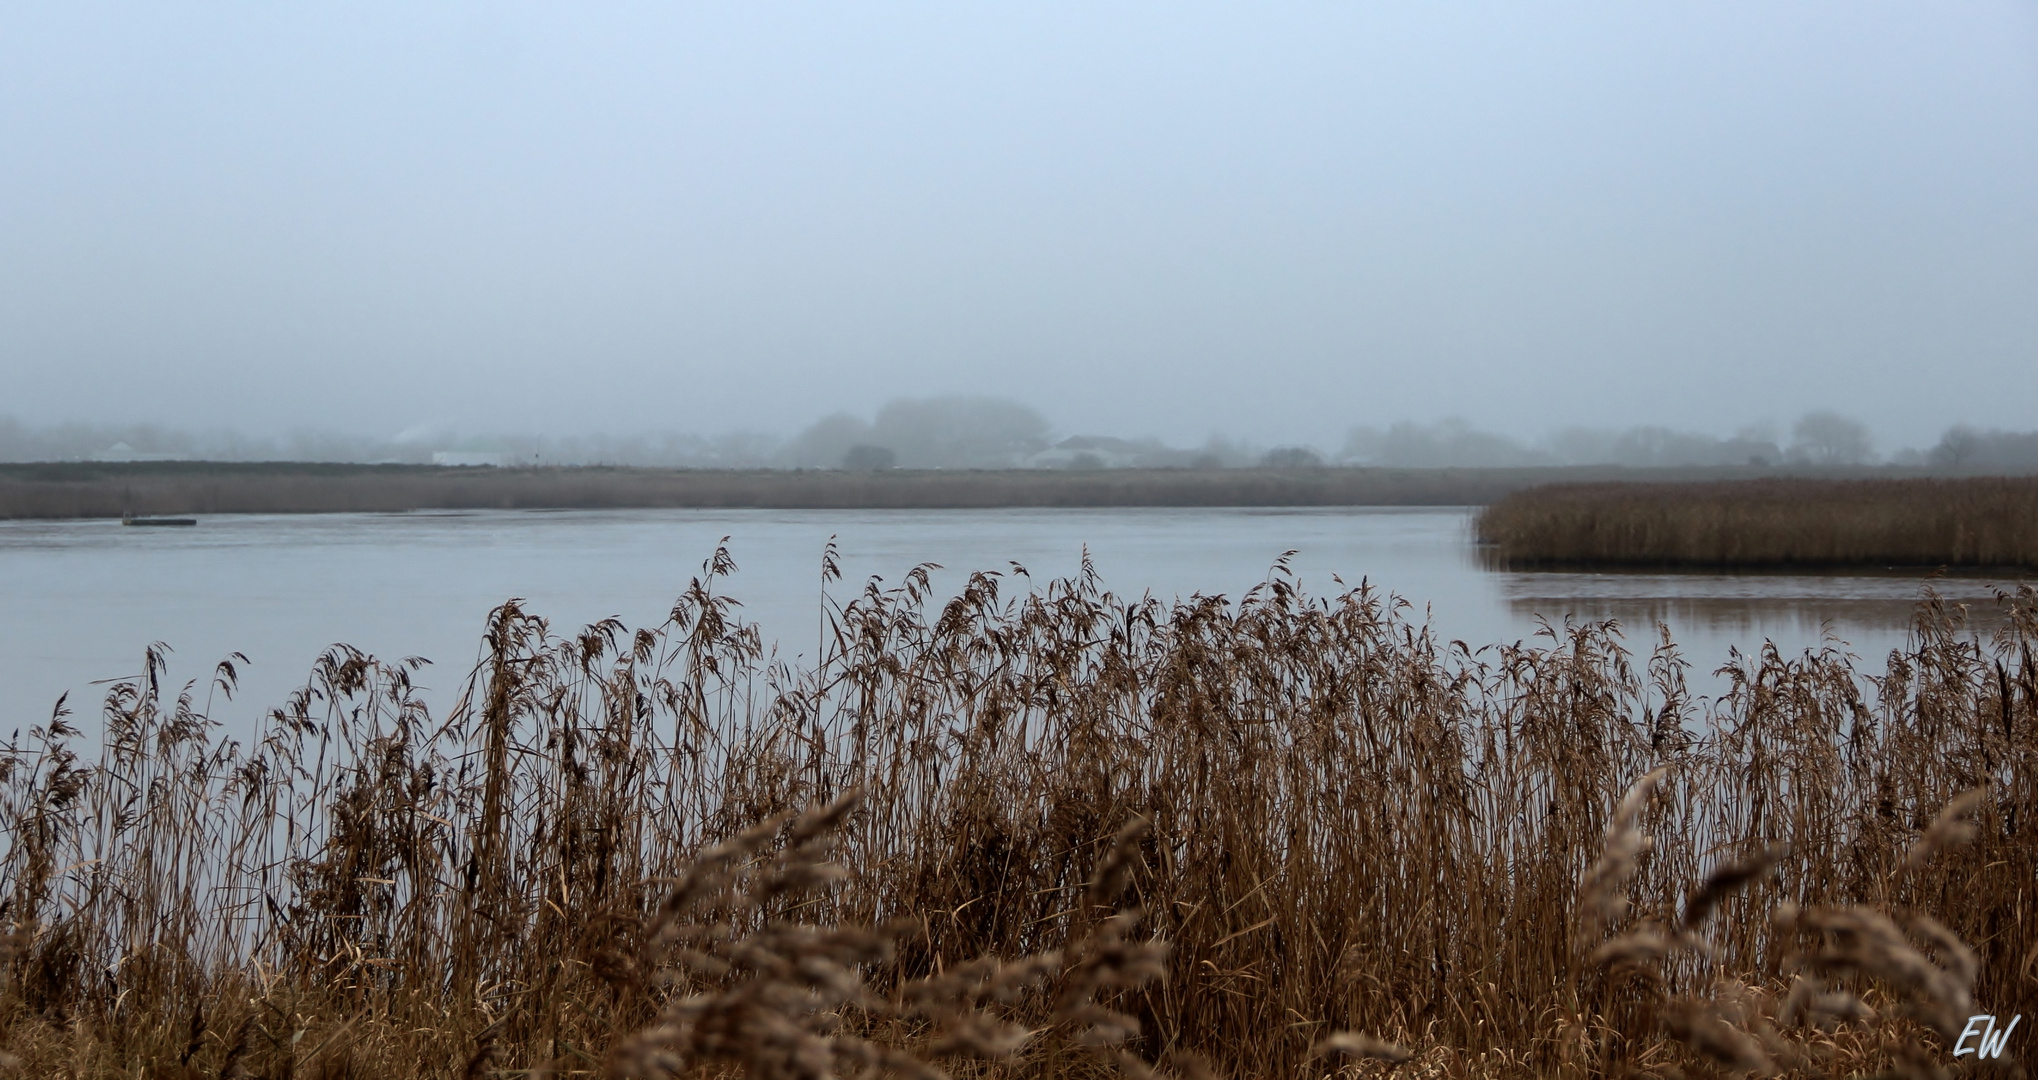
[(1274, 221)]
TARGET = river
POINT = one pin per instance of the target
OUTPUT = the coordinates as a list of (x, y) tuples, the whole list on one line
[(81, 600)]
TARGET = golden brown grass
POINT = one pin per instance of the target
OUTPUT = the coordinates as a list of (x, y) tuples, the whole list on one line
[(1052, 834), (1966, 522)]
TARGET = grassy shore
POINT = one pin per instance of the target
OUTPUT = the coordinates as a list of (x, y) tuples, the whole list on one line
[(1053, 834), (77, 490), (1978, 522)]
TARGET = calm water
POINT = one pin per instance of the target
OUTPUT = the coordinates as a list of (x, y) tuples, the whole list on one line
[(79, 601)]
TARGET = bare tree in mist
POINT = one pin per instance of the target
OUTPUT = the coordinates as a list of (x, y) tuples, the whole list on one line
[(1828, 438), (1967, 448)]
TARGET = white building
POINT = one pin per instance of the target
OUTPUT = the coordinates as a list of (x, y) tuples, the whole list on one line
[(461, 458), (120, 451)]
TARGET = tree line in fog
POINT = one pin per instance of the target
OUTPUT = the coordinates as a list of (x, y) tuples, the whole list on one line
[(974, 432)]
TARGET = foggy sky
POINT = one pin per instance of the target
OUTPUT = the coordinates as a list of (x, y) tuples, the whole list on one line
[(1167, 219)]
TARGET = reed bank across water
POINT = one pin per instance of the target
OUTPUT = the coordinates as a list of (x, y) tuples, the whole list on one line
[(82, 490), (1966, 522)]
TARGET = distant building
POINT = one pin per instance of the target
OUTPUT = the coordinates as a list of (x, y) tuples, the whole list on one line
[(461, 458), (120, 451), (1087, 452), (1107, 452)]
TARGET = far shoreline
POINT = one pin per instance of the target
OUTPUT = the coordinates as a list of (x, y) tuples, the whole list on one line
[(85, 490)]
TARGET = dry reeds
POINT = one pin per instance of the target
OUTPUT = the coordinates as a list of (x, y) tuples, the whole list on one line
[(1046, 834), (1967, 522)]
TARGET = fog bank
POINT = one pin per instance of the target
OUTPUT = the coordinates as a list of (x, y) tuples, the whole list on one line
[(1136, 218), (984, 432)]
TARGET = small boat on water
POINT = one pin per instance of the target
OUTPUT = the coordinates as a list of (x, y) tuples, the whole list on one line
[(130, 519)]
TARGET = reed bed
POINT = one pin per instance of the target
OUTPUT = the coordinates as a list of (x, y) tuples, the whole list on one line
[(1036, 831), (1989, 522)]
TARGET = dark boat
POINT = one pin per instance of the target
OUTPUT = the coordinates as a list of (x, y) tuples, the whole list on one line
[(131, 520)]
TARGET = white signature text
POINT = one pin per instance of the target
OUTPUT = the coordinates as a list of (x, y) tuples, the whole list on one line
[(1991, 1042)]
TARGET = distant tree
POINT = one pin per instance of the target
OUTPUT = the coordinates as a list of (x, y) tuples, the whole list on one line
[(1828, 438), (1364, 445), (1291, 457), (959, 432), (1972, 448), (863, 457), (1959, 446), (1219, 452), (826, 440), (1754, 444), (1652, 446)]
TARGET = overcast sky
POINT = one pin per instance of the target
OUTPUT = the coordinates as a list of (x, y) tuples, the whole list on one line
[(1274, 221)]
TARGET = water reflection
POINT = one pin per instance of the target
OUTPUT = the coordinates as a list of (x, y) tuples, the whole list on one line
[(1751, 605)]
